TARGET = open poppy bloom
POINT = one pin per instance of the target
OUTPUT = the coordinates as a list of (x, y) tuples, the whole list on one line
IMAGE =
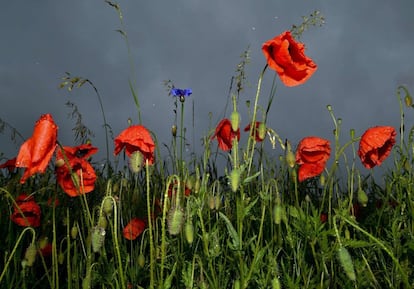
[(133, 229), (288, 58), (30, 209), (375, 145), (36, 152), (83, 173), (9, 164), (259, 135), (225, 135), (136, 138), (311, 155)]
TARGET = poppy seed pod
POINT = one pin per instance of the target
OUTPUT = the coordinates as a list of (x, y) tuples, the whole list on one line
[(136, 162)]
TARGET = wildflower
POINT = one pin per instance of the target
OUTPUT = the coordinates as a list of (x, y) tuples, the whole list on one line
[(30, 209), (172, 189), (181, 93), (10, 165), (311, 155), (260, 131), (375, 145), (36, 152), (133, 229), (287, 57), (225, 135), (79, 178), (136, 138)]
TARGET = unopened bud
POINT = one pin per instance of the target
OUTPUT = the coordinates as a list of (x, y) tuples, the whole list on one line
[(59, 163), (74, 232), (261, 131), (30, 255), (189, 232), (98, 238), (362, 197), (174, 130), (408, 100), (107, 206), (175, 220), (290, 159), (235, 179), (141, 260), (235, 120), (136, 161)]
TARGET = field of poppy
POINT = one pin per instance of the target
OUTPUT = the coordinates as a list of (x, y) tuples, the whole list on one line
[(291, 222)]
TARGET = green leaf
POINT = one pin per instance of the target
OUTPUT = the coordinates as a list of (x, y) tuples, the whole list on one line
[(233, 233)]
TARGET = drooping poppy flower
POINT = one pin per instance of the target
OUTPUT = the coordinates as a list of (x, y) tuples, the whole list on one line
[(30, 209), (133, 229), (225, 135), (83, 173), (10, 165), (36, 152), (136, 138), (311, 155), (288, 58), (375, 145), (259, 135)]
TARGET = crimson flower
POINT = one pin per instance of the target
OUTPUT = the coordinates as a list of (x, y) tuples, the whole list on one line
[(311, 155), (225, 135), (36, 152), (30, 209), (133, 229), (136, 138), (258, 135), (375, 145), (172, 189), (83, 173), (288, 58), (9, 164)]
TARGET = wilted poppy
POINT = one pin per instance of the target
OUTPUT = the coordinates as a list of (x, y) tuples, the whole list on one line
[(288, 58), (225, 135), (30, 209), (36, 152), (83, 173), (10, 165), (375, 145), (133, 229), (311, 155), (136, 138), (259, 135)]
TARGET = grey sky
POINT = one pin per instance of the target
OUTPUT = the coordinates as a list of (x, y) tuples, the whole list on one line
[(364, 51)]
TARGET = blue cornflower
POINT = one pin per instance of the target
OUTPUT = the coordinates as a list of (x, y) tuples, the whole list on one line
[(181, 93)]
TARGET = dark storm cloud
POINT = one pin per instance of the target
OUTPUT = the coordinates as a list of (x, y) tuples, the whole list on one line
[(363, 52)]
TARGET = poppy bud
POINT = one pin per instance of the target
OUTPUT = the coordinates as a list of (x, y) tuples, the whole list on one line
[(346, 263), (174, 130), (261, 131), (235, 120), (136, 161), (42, 242), (74, 232), (290, 159), (30, 255), (217, 202), (236, 284), (61, 257), (59, 163), (362, 197), (408, 100), (277, 213), (107, 206), (276, 283), (175, 220), (102, 221), (189, 232), (211, 202), (141, 260), (347, 234), (235, 179), (322, 180), (98, 238)]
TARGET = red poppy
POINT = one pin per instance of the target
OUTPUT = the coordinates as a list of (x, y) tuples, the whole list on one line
[(258, 137), (375, 145), (311, 155), (36, 152), (83, 151), (173, 189), (225, 135), (323, 217), (136, 138), (288, 58), (133, 229), (30, 209), (83, 171), (9, 164)]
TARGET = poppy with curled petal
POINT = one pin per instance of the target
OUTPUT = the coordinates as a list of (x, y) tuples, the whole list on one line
[(133, 229), (30, 209), (225, 135), (287, 57), (36, 152), (83, 173), (375, 145), (259, 136), (311, 156), (136, 138)]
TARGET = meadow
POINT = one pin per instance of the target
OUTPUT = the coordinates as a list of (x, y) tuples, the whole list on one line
[(315, 217)]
